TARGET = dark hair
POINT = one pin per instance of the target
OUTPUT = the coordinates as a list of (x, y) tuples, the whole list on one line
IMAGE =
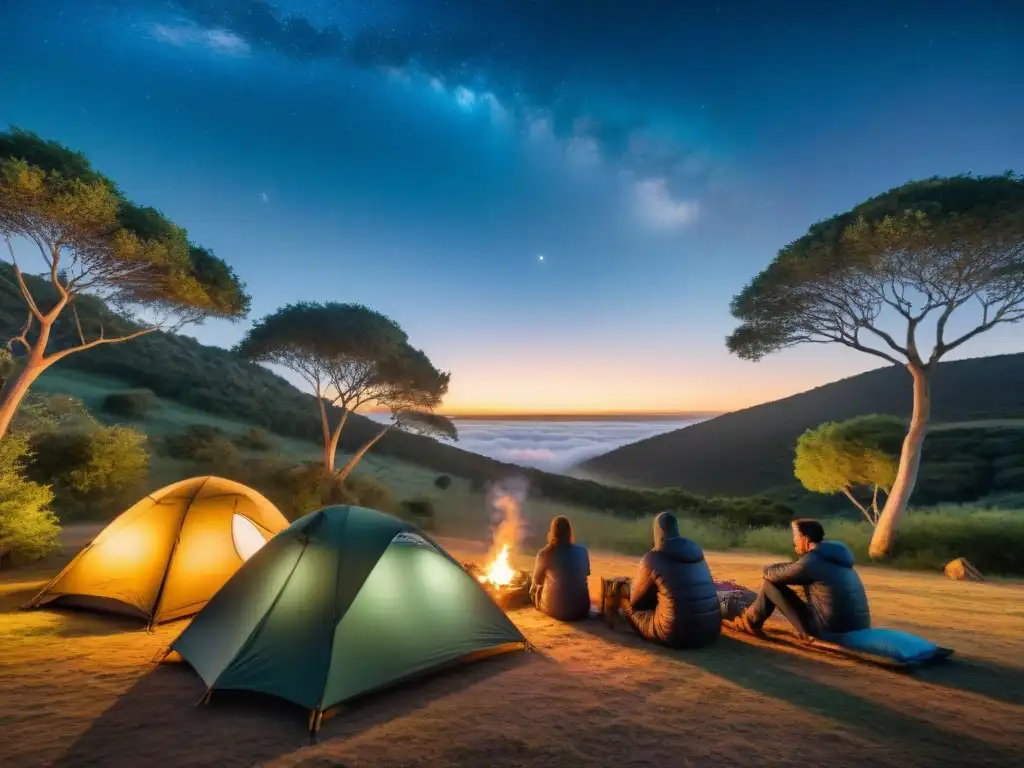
[(560, 532), (812, 529)]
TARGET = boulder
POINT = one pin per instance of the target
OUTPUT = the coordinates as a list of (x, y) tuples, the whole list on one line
[(961, 570)]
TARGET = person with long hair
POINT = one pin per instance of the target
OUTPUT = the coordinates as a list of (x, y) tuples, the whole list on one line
[(560, 575)]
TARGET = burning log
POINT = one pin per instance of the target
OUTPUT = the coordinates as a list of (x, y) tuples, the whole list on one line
[(506, 586)]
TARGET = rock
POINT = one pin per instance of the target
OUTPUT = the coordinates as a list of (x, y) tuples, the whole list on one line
[(961, 570)]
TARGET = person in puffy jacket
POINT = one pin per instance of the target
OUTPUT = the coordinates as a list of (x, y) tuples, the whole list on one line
[(560, 575), (673, 599), (835, 599)]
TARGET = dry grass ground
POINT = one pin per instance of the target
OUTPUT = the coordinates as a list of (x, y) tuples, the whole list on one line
[(79, 690)]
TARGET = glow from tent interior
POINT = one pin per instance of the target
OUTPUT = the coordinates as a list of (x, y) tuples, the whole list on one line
[(246, 537), (132, 547)]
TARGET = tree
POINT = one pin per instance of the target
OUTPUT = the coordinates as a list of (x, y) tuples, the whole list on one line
[(844, 457), (28, 528), (95, 242), (923, 250), (351, 356)]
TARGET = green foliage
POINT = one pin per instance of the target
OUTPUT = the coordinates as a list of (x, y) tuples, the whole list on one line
[(443, 482), (134, 404), (104, 242), (198, 443), (1009, 479), (255, 439), (93, 469), (352, 356), (843, 457), (946, 240), (420, 511), (993, 540), (28, 529)]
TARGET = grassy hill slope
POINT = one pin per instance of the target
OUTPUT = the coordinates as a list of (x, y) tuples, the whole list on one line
[(213, 381), (751, 451)]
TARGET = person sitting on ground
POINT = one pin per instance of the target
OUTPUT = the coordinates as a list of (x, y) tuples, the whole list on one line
[(835, 599), (673, 599), (560, 575)]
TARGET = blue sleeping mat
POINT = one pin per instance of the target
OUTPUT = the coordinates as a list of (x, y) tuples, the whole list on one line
[(893, 646)]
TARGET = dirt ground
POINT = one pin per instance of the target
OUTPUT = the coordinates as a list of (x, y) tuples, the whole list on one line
[(79, 690)]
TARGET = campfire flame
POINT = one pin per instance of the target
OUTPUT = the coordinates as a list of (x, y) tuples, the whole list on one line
[(506, 500), (499, 572)]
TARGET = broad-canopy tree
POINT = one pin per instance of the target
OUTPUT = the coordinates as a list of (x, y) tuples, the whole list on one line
[(94, 241), (352, 356), (944, 249), (848, 456)]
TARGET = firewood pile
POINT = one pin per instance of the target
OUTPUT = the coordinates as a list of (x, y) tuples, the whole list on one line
[(515, 594)]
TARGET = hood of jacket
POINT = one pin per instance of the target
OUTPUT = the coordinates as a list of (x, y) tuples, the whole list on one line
[(668, 540), (835, 552)]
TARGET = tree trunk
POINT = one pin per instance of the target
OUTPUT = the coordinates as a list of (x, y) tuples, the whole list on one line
[(347, 469), (15, 392), (331, 436), (910, 463), (332, 445)]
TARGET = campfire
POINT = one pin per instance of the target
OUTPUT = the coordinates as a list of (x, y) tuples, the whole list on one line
[(507, 586)]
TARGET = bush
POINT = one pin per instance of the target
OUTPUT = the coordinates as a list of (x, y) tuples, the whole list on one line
[(993, 540), (92, 468), (443, 481), (208, 446), (300, 489), (419, 511), (28, 528), (255, 439), (1009, 479), (134, 404)]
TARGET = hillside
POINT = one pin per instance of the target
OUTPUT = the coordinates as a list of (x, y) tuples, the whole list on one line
[(212, 380), (751, 451)]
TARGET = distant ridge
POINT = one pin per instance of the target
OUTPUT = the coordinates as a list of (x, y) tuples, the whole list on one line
[(689, 416), (751, 450)]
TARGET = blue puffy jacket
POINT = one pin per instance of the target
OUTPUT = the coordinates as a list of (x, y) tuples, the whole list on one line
[(835, 593)]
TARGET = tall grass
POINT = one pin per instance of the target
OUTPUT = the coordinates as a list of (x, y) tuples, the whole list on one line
[(993, 540)]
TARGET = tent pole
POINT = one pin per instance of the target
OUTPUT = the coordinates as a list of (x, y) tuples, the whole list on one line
[(206, 698)]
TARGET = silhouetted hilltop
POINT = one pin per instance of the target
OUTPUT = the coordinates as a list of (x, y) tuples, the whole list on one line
[(751, 450)]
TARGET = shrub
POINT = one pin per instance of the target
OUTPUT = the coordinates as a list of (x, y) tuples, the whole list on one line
[(28, 528), (1013, 461), (1009, 479), (367, 491), (92, 468), (419, 511), (134, 404), (255, 439), (196, 443), (300, 489), (443, 481), (993, 540)]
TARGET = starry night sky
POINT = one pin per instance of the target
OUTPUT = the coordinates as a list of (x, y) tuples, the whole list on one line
[(420, 156)]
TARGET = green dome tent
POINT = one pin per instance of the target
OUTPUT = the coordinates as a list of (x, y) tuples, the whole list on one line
[(343, 602)]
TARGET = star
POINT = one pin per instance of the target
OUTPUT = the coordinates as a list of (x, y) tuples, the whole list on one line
[(540, 257)]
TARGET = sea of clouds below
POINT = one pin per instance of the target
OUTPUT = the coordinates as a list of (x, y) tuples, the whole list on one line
[(555, 446)]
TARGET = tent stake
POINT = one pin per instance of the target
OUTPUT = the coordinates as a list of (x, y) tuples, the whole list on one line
[(206, 698)]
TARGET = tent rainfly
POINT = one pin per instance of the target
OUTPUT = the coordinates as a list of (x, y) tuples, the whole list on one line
[(345, 602), (166, 556)]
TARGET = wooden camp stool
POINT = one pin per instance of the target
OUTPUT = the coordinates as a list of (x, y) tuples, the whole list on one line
[(614, 594)]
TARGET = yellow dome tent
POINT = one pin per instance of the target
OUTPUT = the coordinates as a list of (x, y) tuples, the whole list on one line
[(165, 557)]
